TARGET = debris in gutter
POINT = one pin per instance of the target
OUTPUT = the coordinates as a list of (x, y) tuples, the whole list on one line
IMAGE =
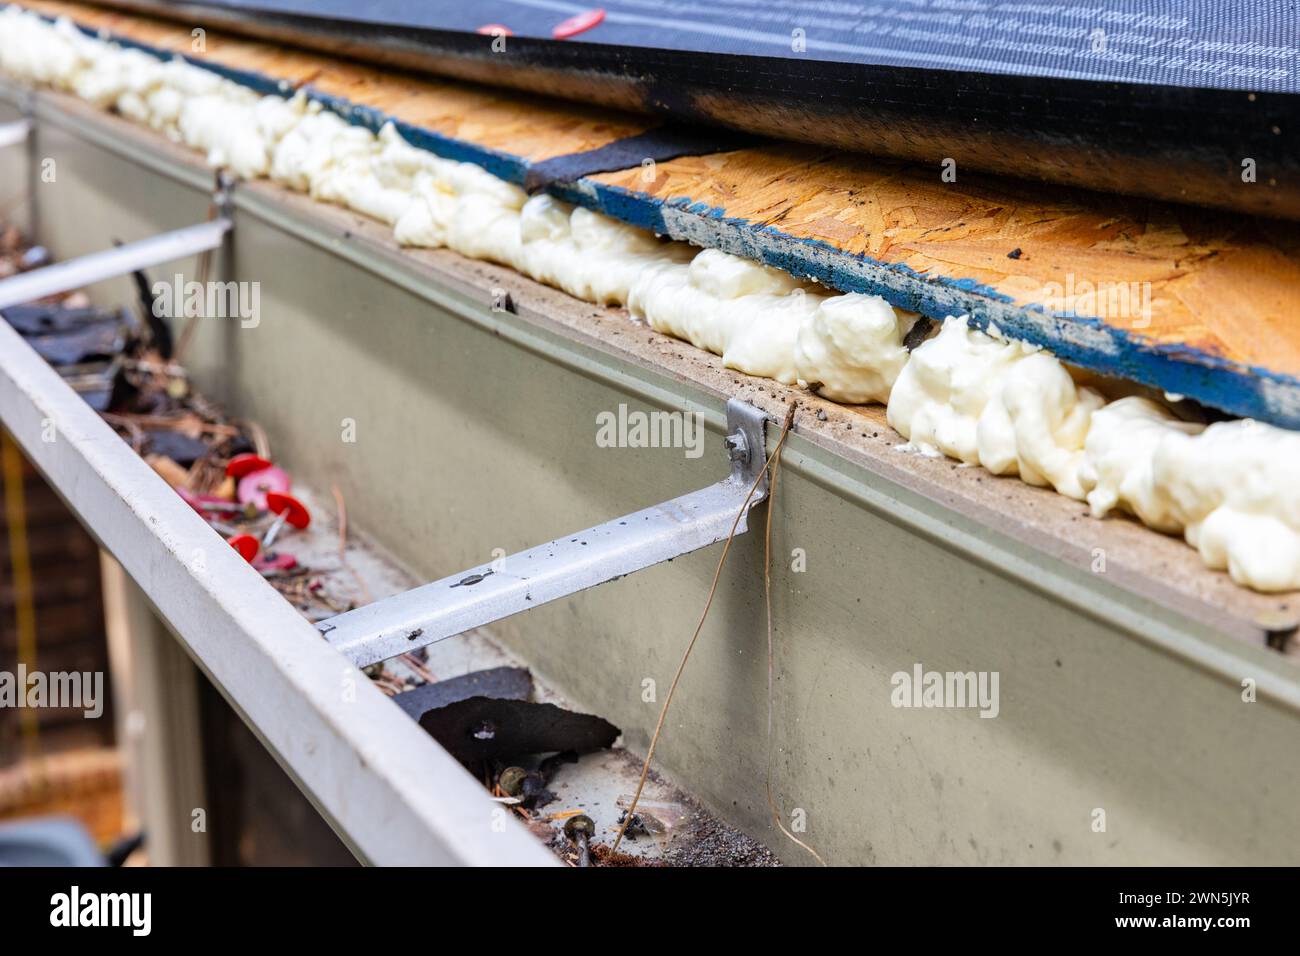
[(120, 364), (70, 336), (607, 856), (529, 754), (652, 817), (713, 844), (184, 448), (634, 827), (83, 344), (580, 829), (479, 730), (529, 787), (500, 683)]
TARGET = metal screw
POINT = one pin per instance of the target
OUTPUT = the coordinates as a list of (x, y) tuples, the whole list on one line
[(268, 539), (1279, 627), (221, 194), (289, 509), (580, 829), (737, 446), (511, 781)]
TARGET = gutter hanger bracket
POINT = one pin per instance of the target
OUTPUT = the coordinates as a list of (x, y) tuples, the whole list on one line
[(490, 592), (122, 260)]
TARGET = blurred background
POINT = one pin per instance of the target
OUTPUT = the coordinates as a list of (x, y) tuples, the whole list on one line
[(92, 785)]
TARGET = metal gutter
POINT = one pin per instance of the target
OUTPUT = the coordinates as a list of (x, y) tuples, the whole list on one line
[(1171, 606), (393, 795)]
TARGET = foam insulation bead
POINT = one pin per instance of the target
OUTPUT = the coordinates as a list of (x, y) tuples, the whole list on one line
[(985, 400), (1119, 458), (1232, 489)]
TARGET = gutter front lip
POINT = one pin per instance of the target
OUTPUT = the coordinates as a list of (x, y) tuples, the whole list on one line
[(391, 792)]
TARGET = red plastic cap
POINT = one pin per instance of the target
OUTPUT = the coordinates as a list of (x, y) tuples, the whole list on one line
[(253, 487), (278, 502), (246, 545), (579, 23), (246, 464)]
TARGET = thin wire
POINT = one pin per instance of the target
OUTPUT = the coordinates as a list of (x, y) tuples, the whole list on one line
[(342, 507), (767, 598), (713, 590), (192, 322)]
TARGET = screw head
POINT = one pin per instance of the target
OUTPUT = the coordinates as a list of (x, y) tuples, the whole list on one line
[(580, 825), (737, 446), (1279, 627), (511, 781)]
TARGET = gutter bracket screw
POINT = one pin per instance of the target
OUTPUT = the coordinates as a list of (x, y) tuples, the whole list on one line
[(737, 446)]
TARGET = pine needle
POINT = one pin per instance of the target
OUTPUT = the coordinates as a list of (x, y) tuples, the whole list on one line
[(767, 598), (713, 590)]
